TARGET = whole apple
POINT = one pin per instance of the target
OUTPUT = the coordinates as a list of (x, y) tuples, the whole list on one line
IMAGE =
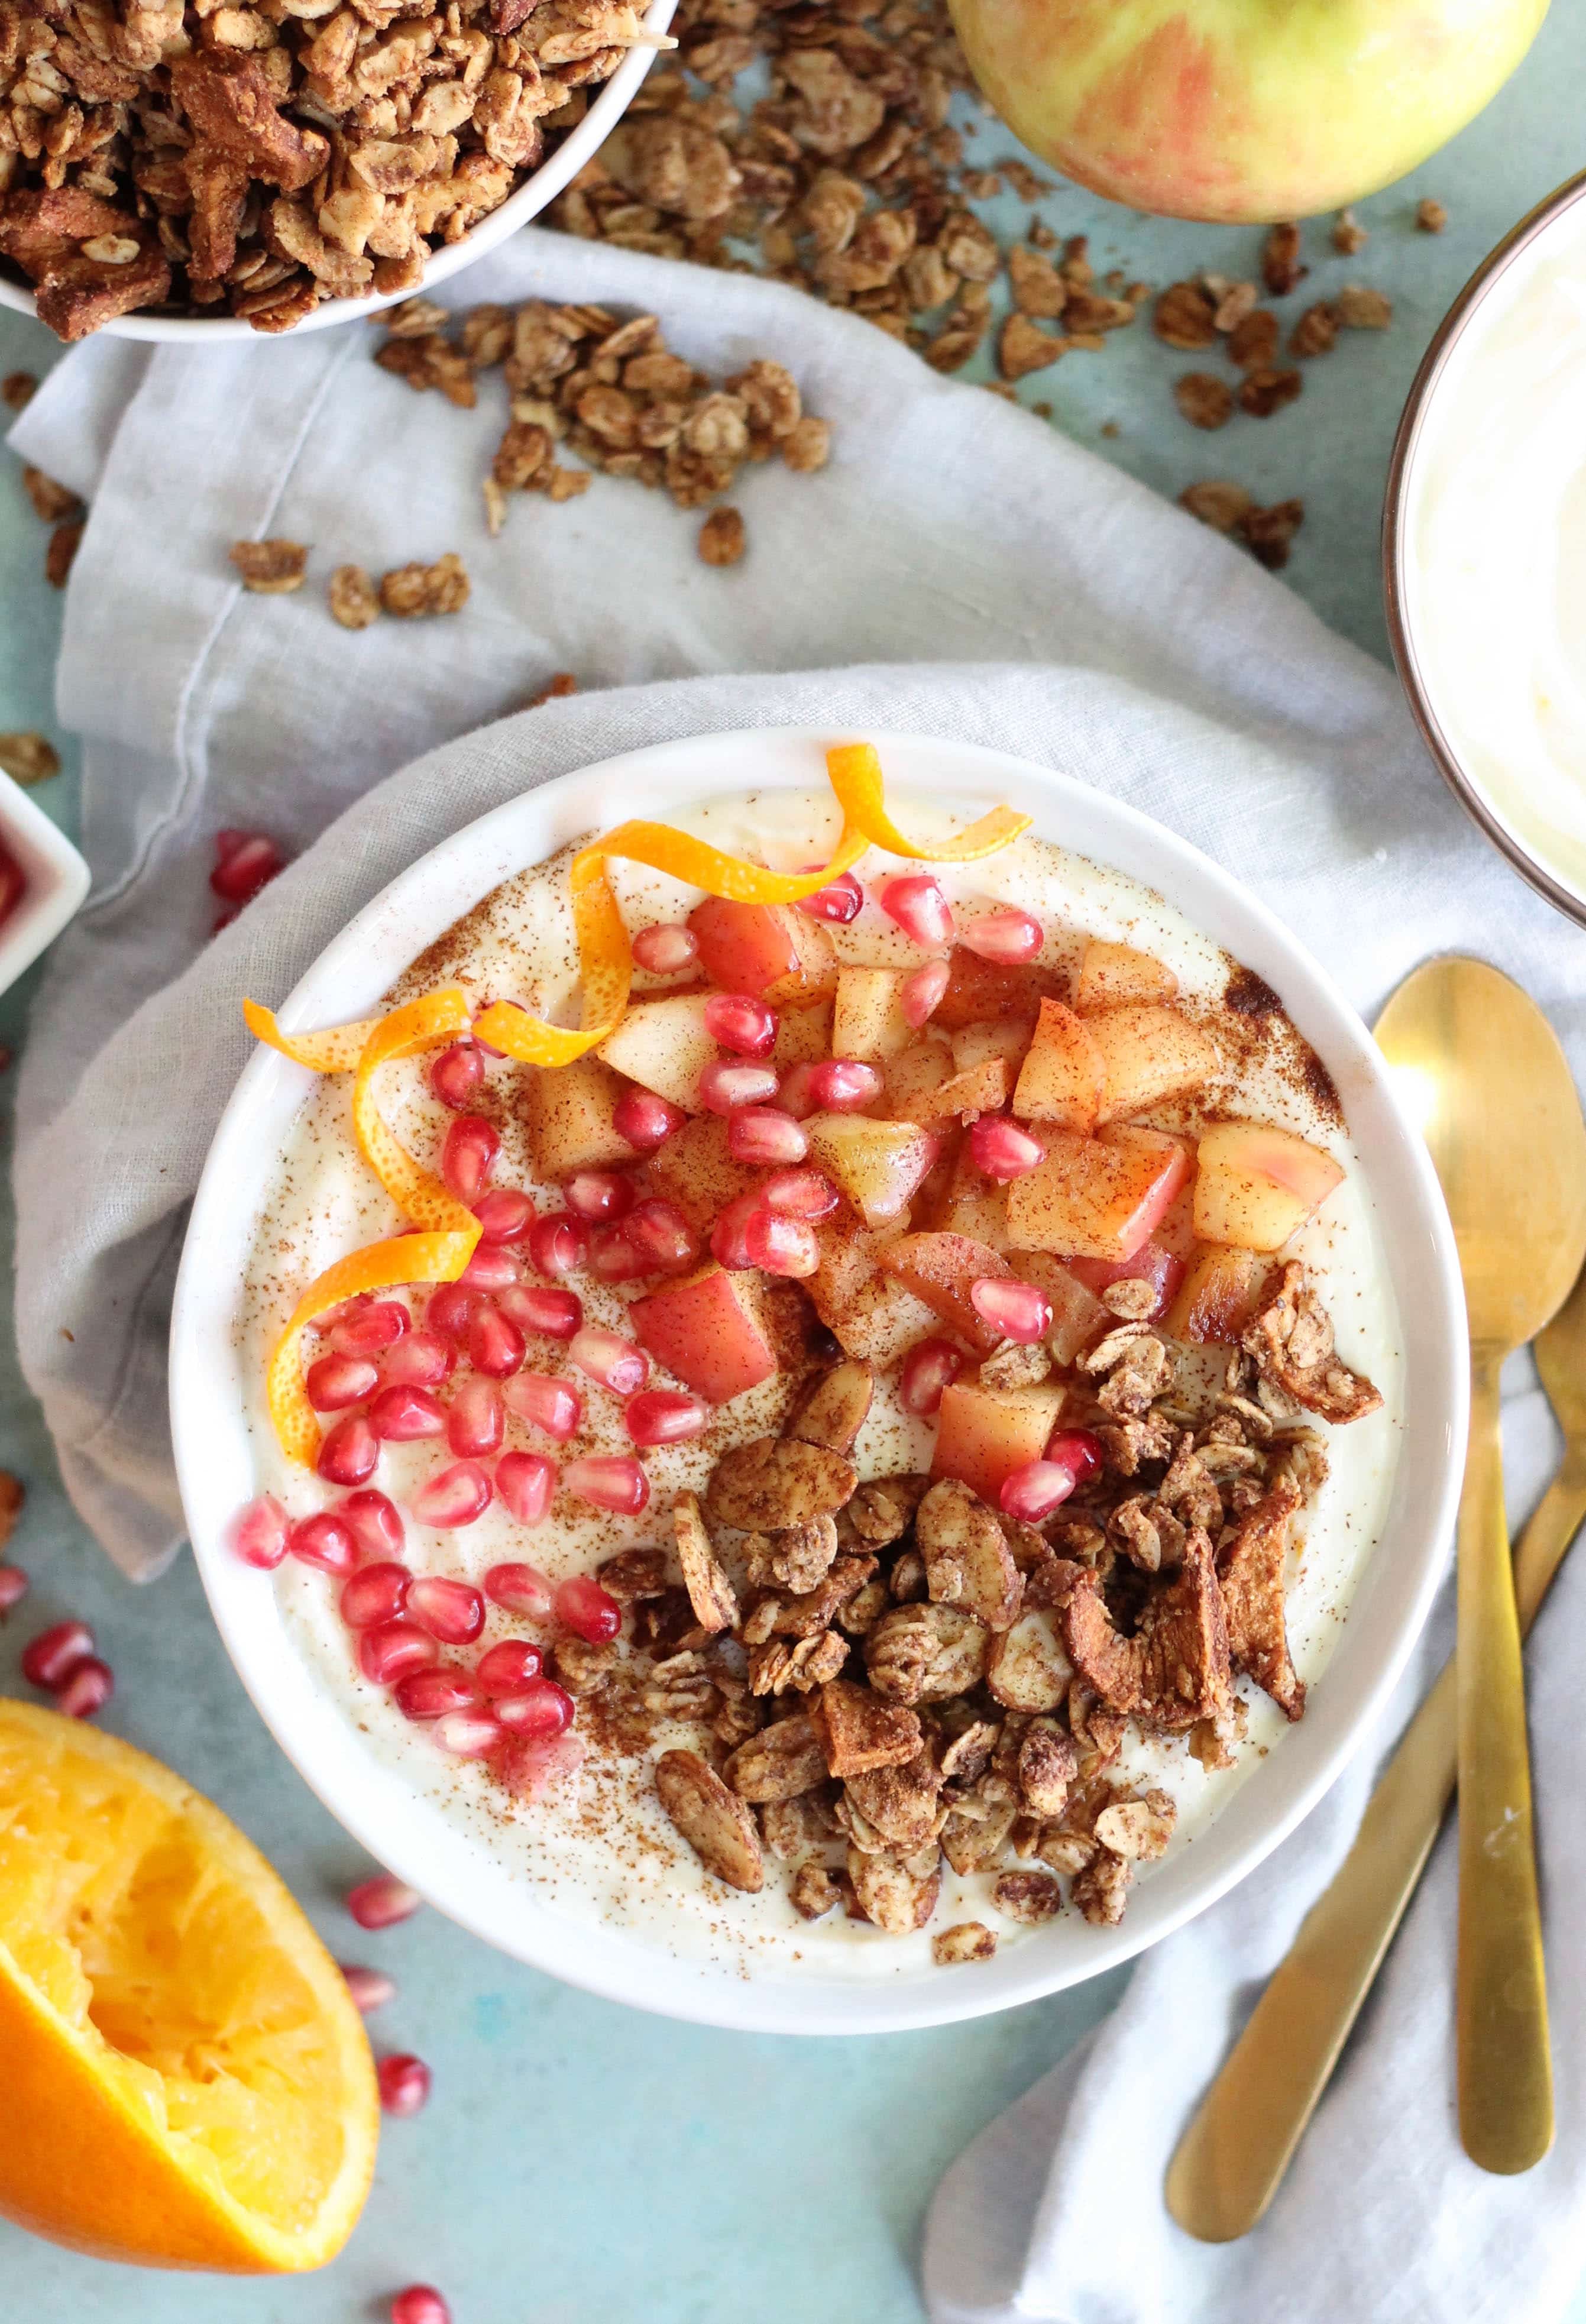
[(1241, 111)]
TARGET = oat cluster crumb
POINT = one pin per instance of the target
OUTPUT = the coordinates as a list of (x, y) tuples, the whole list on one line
[(1228, 508), (17, 389), (277, 568), (271, 568), (29, 758)]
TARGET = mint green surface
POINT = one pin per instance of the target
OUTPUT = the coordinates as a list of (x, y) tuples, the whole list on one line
[(579, 2164)]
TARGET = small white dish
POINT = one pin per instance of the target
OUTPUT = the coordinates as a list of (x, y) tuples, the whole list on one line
[(411, 1834), (534, 195), (56, 881)]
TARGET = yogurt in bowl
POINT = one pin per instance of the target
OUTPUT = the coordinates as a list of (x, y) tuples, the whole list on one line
[(991, 1818)]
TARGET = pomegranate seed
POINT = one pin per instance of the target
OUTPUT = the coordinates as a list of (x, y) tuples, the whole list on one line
[(505, 1214), (419, 2304), (350, 1451), (403, 1415), (614, 1257), (540, 1707), (495, 1347), (455, 1497), (474, 1421), (598, 1194), (404, 2084), (87, 1688), (450, 1309), (423, 1360), (553, 1314), (666, 948), (557, 1243), (588, 1610), (1033, 1492), (739, 1022), (916, 903), (794, 1095), (426, 1694), (521, 1589), (370, 1330), (842, 900), (662, 1235), (611, 1480), (1018, 1311), (507, 1669), (764, 1133), (374, 1594), (781, 1245), (844, 1084), (1076, 1449), (247, 862), (1002, 1151), (325, 1543), (726, 1085), (336, 1381), (729, 1237), (13, 1581), (528, 1765), (456, 1076), (925, 1371), (1008, 937), (920, 995), (605, 1357), (800, 1193), (368, 1988), (492, 1266), (468, 1734), (526, 1482), (451, 1611), (662, 1416), (374, 1523), (389, 1650), (646, 1120), (257, 1534), (468, 1156), (384, 1901), (546, 1401)]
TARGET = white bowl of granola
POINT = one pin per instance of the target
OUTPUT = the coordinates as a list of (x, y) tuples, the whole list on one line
[(1010, 1550), (295, 230)]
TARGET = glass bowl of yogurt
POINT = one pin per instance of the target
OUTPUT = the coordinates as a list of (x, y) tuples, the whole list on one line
[(671, 1860), (1484, 562)]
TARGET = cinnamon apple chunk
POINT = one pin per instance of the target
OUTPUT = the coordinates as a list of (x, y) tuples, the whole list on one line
[(981, 1089), (570, 1115), (990, 991), (1078, 1317), (1149, 1053), (983, 1433), (1063, 1076), (1112, 975), (1096, 1198), (770, 950), (943, 1270), (913, 1076), (879, 1165), (870, 1313), (1257, 1185), (665, 1045), (867, 1015), (695, 1168), (708, 1330), (1219, 1295)]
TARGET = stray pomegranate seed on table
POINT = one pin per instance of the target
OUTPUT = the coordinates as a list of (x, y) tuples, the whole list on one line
[(49, 1659), (14, 1585), (404, 2084), (370, 1988), (419, 2304), (381, 1902)]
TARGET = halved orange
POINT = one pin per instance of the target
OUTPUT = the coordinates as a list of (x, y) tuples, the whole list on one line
[(184, 2081)]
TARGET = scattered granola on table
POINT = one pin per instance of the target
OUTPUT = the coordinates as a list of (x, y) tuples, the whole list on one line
[(29, 758)]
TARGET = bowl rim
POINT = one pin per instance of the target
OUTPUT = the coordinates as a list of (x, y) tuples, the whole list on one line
[(523, 203), (409, 1832), (1429, 376)]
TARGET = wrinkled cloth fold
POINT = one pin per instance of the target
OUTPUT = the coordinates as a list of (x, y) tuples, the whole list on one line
[(958, 570)]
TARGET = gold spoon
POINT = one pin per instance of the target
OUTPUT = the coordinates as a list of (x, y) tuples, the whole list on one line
[(1231, 2159)]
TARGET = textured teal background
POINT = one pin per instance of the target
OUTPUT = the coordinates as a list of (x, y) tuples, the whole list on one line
[(579, 2162)]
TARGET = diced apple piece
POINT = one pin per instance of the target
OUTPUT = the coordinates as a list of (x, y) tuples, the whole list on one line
[(1096, 1198), (804, 1033), (942, 1270), (878, 1164), (1258, 1184), (1112, 975), (989, 991), (911, 1077), (975, 1043), (1149, 1053), (975, 1205), (867, 1019), (870, 1313), (705, 1328), (568, 1110), (1078, 1317), (1219, 1295), (694, 1170), (1153, 1264), (768, 949), (984, 1434), (1064, 1074), (983, 1089), (664, 1045)]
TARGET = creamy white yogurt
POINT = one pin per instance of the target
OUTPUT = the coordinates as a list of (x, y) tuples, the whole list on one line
[(600, 1849), (1494, 548)]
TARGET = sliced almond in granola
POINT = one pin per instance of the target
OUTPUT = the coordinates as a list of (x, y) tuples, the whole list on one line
[(1101, 1890), (710, 1593), (1014, 1365), (901, 1802), (270, 568), (1028, 1897), (783, 1760), (1047, 1764), (858, 1732), (1137, 1830), (792, 1829), (797, 1558), (834, 1408), (717, 1824), (926, 1654), (776, 1481), (882, 1510), (1027, 1667), (966, 1940), (1066, 1851), (967, 1561), (632, 1574), (814, 1891), (976, 1833), (809, 1610), (891, 1893)]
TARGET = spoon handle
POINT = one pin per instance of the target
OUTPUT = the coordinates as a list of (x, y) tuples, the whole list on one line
[(1505, 2072)]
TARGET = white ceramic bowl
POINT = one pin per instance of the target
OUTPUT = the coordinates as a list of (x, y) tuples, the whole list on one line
[(56, 881), (529, 198), (411, 1835)]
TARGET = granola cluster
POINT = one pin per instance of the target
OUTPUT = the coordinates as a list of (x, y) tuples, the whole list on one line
[(256, 159), (886, 1673)]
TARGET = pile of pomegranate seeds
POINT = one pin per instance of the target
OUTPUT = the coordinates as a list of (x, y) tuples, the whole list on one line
[(61, 1661)]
